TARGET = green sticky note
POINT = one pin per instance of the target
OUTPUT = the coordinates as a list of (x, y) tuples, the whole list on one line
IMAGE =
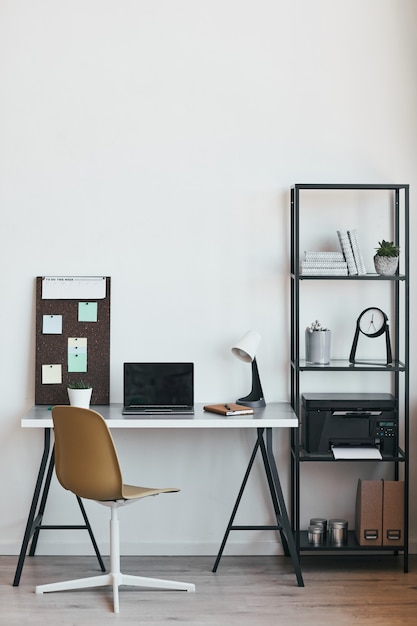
[(87, 311), (77, 354), (77, 362)]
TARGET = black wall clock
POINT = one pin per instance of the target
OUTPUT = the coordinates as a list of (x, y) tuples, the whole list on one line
[(372, 322)]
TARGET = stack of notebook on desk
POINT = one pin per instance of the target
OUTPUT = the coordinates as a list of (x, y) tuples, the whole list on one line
[(229, 409)]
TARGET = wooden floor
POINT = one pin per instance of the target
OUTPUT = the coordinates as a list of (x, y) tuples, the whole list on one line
[(245, 591)]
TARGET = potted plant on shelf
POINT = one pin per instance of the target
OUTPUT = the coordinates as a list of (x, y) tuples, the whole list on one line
[(79, 393), (386, 258)]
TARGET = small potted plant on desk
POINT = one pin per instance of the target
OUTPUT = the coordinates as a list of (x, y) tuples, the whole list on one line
[(79, 393), (386, 258)]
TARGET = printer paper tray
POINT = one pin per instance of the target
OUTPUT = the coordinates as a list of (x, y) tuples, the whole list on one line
[(356, 452), (328, 456)]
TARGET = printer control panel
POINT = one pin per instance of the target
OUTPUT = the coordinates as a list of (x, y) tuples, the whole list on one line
[(387, 428)]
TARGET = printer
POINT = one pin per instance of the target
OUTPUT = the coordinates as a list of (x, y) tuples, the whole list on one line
[(349, 419)]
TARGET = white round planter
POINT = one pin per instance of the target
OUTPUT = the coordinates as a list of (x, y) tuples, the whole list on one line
[(386, 265), (80, 397)]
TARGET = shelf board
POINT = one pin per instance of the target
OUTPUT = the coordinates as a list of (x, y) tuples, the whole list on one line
[(305, 456), (348, 186), (395, 277), (374, 365), (352, 544)]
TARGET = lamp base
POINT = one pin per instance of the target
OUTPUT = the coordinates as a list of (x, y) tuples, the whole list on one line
[(254, 404), (256, 397)]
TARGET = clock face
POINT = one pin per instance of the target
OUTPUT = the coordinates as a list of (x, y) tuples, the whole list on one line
[(372, 322)]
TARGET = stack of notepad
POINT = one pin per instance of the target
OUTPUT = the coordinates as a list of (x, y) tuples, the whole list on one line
[(318, 263), (350, 247), (348, 261)]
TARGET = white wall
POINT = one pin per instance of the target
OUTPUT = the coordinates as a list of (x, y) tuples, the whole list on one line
[(156, 142)]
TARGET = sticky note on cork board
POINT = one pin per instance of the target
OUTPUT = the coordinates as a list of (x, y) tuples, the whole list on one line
[(51, 374), (77, 354), (87, 311)]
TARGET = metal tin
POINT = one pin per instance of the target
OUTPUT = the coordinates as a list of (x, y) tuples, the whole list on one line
[(338, 529), (319, 521), (315, 535)]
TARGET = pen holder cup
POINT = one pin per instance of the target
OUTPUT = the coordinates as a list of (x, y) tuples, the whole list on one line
[(318, 346)]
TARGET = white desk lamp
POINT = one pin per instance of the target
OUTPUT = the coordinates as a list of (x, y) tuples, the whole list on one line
[(245, 349)]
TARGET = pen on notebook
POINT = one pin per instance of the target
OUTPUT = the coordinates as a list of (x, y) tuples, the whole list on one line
[(226, 406)]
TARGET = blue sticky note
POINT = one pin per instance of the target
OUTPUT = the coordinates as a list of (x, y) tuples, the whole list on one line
[(52, 325), (87, 311)]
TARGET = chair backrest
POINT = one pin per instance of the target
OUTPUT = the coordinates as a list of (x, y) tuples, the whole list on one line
[(86, 461)]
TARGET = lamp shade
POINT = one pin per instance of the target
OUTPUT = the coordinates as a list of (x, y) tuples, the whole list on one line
[(246, 348)]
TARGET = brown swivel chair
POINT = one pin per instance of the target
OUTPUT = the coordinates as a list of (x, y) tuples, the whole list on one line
[(86, 463)]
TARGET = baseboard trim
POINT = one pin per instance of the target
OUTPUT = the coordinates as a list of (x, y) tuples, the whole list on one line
[(84, 548)]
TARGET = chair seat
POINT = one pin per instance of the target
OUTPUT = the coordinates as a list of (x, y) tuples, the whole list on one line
[(132, 492)]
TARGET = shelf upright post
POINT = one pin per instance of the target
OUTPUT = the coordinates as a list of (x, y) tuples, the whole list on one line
[(406, 419), (295, 372), (397, 295)]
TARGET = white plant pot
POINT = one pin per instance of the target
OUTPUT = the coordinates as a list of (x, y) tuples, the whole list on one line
[(80, 397), (386, 265)]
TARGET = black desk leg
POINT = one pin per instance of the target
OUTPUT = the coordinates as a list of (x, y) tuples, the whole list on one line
[(32, 511), (283, 524), (273, 491), (36, 526), (235, 508), (90, 532), (282, 516), (34, 522)]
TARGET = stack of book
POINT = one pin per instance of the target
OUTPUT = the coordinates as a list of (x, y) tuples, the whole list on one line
[(321, 263), (349, 243)]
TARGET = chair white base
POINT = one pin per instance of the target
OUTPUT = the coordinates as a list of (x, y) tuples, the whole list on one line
[(115, 578)]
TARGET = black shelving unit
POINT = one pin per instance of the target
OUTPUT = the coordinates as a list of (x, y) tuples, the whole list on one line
[(399, 216)]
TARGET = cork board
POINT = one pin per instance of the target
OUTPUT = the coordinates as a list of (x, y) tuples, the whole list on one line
[(72, 337)]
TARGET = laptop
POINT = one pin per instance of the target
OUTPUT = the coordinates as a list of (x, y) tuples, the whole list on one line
[(158, 389)]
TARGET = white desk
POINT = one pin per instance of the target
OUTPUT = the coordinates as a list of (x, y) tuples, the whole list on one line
[(274, 415)]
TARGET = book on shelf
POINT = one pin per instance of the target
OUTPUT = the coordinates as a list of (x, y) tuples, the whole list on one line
[(354, 242), (347, 251), (320, 263), (313, 268), (320, 271), (324, 264), (323, 255), (229, 409)]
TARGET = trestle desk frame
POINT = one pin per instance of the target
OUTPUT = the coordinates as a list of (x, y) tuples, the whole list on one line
[(274, 415)]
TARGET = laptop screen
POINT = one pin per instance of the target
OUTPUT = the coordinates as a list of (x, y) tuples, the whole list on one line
[(158, 384)]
